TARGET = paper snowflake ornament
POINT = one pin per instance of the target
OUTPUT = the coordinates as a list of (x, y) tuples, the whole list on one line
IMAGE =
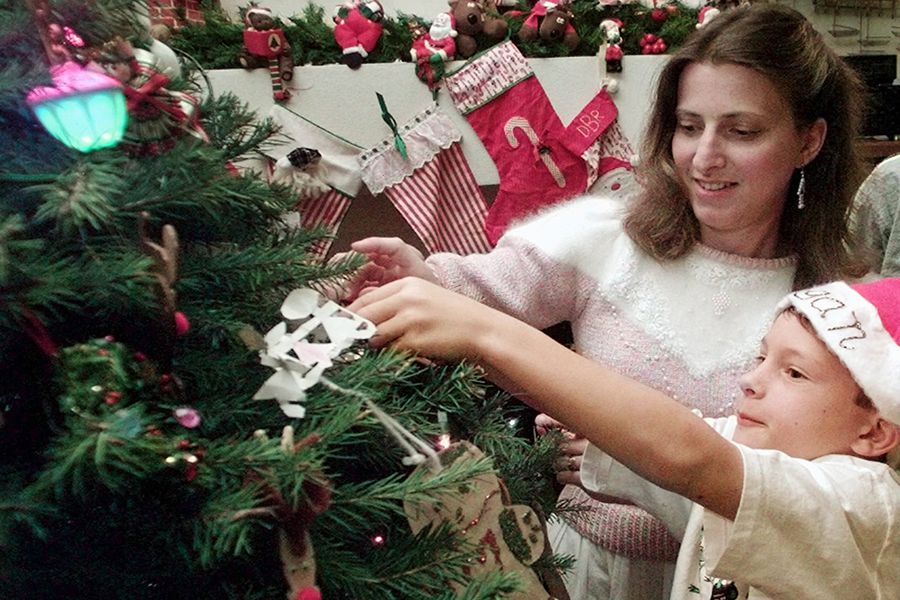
[(314, 331)]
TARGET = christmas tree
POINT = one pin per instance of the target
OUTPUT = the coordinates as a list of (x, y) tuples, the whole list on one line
[(146, 450)]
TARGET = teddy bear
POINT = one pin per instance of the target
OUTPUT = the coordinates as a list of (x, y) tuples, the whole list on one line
[(357, 29), (551, 21), (473, 22), (266, 46)]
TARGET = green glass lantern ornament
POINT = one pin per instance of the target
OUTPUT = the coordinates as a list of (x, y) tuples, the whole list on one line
[(84, 109)]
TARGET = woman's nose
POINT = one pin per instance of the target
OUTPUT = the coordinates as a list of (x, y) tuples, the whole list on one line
[(709, 153)]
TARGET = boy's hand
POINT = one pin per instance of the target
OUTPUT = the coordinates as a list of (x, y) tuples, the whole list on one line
[(416, 316)]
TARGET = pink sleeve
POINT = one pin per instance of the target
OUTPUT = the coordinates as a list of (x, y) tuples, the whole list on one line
[(515, 278)]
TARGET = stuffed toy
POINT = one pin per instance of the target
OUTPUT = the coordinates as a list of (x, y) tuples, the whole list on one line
[(431, 49), (504, 6), (611, 29), (357, 29), (706, 14), (473, 22), (300, 169), (551, 21), (714, 8), (266, 46)]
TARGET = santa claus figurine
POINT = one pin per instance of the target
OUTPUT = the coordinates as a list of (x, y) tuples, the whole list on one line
[(438, 44), (431, 50), (357, 29)]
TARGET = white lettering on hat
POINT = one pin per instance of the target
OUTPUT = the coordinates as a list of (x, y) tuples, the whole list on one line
[(823, 302)]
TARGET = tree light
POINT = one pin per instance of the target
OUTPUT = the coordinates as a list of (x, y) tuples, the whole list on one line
[(84, 109)]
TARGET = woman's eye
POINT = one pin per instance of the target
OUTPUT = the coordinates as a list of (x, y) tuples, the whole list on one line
[(687, 127), (744, 132)]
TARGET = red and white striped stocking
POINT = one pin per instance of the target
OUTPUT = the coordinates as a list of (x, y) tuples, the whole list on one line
[(338, 169), (434, 190)]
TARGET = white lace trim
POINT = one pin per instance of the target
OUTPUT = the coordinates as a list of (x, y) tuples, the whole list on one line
[(425, 136)]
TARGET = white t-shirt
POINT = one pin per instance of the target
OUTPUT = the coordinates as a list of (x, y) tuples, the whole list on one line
[(805, 530)]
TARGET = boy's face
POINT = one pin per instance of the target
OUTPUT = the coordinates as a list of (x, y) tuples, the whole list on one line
[(799, 399)]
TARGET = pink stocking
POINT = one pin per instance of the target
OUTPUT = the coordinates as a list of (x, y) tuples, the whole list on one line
[(540, 162)]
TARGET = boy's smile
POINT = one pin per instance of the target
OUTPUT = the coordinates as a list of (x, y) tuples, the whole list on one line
[(800, 398)]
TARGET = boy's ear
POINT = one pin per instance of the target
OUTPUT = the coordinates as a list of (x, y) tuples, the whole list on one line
[(877, 440)]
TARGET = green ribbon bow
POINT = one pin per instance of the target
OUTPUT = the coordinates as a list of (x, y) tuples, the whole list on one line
[(399, 144)]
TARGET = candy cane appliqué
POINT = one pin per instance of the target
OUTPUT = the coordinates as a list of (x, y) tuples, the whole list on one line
[(542, 151)]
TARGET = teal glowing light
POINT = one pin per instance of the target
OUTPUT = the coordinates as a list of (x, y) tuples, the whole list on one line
[(85, 110)]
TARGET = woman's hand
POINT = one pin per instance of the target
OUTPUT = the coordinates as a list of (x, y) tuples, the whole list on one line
[(568, 465), (388, 259), (414, 315)]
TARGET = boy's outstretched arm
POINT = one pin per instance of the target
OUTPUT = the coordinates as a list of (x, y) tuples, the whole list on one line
[(640, 427)]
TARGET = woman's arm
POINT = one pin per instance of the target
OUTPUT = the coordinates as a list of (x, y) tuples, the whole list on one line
[(640, 427)]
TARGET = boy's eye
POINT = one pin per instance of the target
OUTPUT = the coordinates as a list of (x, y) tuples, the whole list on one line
[(795, 374)]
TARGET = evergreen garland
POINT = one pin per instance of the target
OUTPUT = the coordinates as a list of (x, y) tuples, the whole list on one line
[(216, 44)]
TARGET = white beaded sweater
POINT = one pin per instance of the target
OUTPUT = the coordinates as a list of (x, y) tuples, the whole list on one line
[(688, 327)]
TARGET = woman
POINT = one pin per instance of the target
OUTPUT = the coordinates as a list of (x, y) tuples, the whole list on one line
[(747, 171)]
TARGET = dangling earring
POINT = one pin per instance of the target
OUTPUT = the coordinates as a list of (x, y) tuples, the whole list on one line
[(801, 190)]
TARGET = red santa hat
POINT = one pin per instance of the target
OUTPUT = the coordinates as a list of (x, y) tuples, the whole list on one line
[(706, 14), (256, 10), (860, 324)]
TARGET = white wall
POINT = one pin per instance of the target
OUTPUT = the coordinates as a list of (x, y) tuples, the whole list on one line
[(343, 101)]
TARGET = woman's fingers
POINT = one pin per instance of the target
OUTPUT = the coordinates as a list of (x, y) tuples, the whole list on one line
[(396, 257)]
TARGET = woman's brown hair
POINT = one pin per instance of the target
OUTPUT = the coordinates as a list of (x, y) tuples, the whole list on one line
[(781, 44)]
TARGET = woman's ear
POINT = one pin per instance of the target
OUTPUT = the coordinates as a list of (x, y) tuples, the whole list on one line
[(877, 440), (813, 139)]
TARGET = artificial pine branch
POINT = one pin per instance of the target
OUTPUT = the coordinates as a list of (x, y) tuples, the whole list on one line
[(106, 488)]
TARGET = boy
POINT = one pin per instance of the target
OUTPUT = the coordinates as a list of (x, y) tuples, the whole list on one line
[(798, 505)]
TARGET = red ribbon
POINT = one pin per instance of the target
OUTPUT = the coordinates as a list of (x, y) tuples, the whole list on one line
[(38, 333), (148, 93)]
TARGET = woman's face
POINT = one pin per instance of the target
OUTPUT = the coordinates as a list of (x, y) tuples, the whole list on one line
[(735, 149)]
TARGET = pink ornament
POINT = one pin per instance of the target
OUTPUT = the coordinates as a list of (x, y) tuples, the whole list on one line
[(71, 78), (187, 417), (84, 109), (309, 593), (72, 37), (182, 325), (659, 15)]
